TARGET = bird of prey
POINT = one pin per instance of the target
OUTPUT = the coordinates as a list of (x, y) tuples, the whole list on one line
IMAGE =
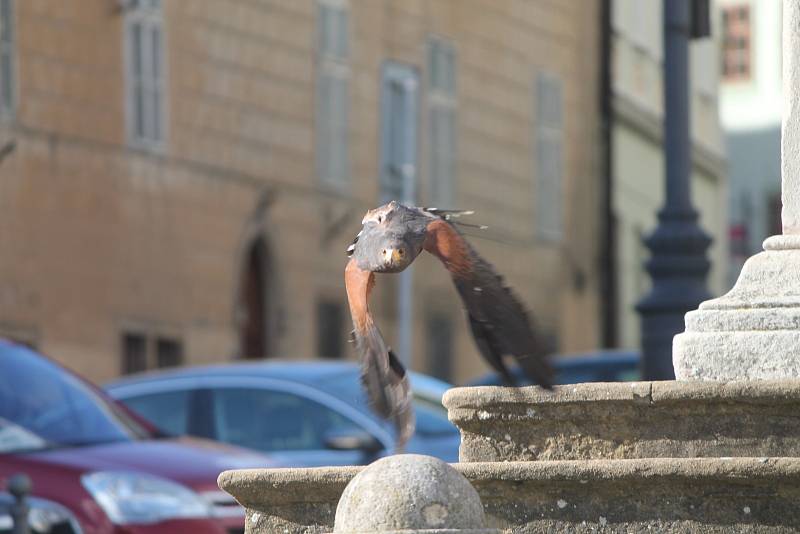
[(392, 236)]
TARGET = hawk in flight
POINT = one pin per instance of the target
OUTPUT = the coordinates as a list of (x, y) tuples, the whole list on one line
[(392, 236)]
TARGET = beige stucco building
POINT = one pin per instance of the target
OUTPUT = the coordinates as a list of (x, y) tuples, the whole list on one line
[(638, 156), (186, 176)]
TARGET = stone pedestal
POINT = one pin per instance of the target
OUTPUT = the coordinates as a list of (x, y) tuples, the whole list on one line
[(627, 420), (753, 332)]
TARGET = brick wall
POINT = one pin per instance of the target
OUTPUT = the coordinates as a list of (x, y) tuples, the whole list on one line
[(98, 238)]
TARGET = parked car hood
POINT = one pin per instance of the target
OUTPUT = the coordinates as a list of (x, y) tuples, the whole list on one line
[(193, 462)]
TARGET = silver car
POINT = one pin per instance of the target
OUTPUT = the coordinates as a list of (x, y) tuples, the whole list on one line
[(304, 413)]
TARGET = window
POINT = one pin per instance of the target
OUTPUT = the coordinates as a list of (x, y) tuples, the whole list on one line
[(640, 15), (330, 323), (431, 418), (145, 73), (440, 346), (736, 43), (134, 353), (141, 352), (169, 353), (442, 121), (549, 155), (6, 58), (333, 94), (399, 133), (168, 410), (268, 420)]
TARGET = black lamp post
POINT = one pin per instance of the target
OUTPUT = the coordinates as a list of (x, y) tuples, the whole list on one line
[(678, 264)]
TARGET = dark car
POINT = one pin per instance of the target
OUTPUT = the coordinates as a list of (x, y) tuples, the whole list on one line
[(305, 413), (599, 366), (112, 471)]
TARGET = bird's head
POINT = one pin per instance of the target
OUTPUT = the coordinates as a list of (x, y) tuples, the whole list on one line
[(392, 237)]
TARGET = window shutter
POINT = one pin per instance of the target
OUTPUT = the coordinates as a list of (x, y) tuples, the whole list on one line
[(145, 73), (549, 156), (333, 94), (399, 133), (441, 121), (6, 58)]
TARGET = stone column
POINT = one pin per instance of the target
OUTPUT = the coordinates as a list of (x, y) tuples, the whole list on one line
[(753, 332), (790, 127)]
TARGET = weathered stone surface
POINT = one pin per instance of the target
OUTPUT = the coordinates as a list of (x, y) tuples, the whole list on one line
[(752, 332), (715, 495), (410, 493), (790, 123), (627, 420), (288, 500)]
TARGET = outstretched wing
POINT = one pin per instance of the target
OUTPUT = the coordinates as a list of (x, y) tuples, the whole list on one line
[(499, 322), (383, 376)]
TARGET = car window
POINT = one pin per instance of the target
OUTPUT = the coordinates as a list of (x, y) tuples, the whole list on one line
[(432, 418), (269, 420), (167, 410), (39, 398)]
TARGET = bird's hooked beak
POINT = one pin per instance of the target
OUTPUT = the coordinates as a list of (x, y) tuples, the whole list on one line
[(394, 255)]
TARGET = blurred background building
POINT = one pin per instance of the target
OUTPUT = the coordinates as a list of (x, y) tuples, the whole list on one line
[(638, 155), (181, 179), (750, 109)]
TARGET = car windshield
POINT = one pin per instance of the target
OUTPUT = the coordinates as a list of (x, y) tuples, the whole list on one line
[(42, 407), (431, 416)]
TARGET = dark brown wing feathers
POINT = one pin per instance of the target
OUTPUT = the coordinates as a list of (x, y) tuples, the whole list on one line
[(499, 322), (382, 375), (444, 242)]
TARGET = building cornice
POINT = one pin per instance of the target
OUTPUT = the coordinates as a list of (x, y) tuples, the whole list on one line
[(649, 124)]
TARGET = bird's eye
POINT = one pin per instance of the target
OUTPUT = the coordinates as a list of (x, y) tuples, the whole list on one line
[(380, 219), (401, 252)]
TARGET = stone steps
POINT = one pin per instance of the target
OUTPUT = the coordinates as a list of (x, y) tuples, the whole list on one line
[(634, 495), (621, 457), (627, 420)]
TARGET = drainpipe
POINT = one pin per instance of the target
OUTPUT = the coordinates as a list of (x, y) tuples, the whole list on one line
[(608, 249)]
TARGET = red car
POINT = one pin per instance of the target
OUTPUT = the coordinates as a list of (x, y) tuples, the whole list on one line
[(110, 469)]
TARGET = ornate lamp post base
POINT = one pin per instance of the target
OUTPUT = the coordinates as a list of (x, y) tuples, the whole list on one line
[(678, 266)]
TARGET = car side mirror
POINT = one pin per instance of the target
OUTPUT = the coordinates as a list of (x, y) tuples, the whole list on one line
[(353, 440)]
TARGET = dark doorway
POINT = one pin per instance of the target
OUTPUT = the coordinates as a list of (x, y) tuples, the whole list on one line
[(254, 335)]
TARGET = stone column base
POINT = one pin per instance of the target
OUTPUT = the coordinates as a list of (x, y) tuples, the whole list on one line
[(752, 332)]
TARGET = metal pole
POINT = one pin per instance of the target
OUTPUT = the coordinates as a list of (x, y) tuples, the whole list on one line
[(20, 487), (678, 264)]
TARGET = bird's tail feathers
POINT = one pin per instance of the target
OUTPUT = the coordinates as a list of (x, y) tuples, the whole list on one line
[(386, 383)]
